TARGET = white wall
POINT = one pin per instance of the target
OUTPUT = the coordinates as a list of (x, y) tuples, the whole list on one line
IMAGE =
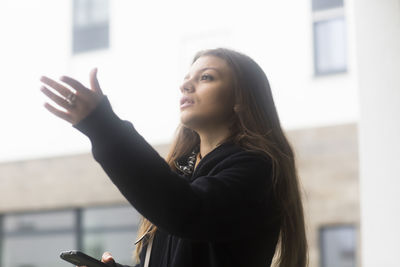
[(151, 46), (33, 41), (377, 31)]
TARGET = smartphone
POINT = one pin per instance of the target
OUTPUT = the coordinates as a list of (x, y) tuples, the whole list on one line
[(79, 259)]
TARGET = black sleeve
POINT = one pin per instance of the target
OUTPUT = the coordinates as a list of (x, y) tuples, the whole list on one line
[(228, 205)]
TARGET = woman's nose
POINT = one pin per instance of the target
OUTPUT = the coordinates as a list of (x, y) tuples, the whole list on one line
[(186, 88)]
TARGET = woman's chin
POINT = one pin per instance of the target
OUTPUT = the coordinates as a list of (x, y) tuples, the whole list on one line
[(188, 120)]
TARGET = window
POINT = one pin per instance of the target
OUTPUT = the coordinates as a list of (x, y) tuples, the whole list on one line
[(337, 246), (90, 25), (110, 229), (36, 239), (330, 42)]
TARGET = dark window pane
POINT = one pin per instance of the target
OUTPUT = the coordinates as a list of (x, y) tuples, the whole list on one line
[(330, 49), (90, 25), (326, 4), (91, 38), (338, 246)]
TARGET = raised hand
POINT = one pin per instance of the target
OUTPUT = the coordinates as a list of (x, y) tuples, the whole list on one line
[(77, 104)]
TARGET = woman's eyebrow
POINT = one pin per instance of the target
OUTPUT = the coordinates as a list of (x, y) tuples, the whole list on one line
[(203, 69)]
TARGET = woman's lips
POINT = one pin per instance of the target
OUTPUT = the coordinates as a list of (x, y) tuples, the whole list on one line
[(186, 102)]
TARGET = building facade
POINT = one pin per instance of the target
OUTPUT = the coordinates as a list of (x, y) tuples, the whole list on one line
[(67, 202)]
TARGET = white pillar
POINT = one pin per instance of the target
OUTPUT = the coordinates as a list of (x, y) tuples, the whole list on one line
[(377, 35)]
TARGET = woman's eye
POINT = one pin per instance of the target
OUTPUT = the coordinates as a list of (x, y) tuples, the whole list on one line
[(206, 76)]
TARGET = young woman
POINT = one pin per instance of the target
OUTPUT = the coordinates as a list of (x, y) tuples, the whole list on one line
[(227, 193)]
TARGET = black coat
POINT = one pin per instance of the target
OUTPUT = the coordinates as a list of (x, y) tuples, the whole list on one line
[(223, 214)]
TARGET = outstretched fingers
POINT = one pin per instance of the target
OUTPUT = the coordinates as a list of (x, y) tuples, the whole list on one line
[(74, 97), (64, 91), (59, 113), (73, 83), (62, 102), (86, 93)]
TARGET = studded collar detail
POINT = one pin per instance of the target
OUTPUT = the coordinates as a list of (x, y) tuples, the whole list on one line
[(189, 167)]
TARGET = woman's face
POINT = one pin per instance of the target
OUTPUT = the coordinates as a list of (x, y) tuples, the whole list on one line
[(207, 94)]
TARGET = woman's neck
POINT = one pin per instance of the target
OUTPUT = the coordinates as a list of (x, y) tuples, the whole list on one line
[(211, 139)]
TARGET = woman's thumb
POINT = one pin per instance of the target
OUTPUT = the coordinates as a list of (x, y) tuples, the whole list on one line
[(107, 258), (94, 83)]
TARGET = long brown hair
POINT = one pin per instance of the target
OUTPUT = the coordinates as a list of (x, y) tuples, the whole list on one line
[(255, 126)]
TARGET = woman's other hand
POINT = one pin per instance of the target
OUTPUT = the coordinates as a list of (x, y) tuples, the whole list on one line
[(107, 258), (77, 104)]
